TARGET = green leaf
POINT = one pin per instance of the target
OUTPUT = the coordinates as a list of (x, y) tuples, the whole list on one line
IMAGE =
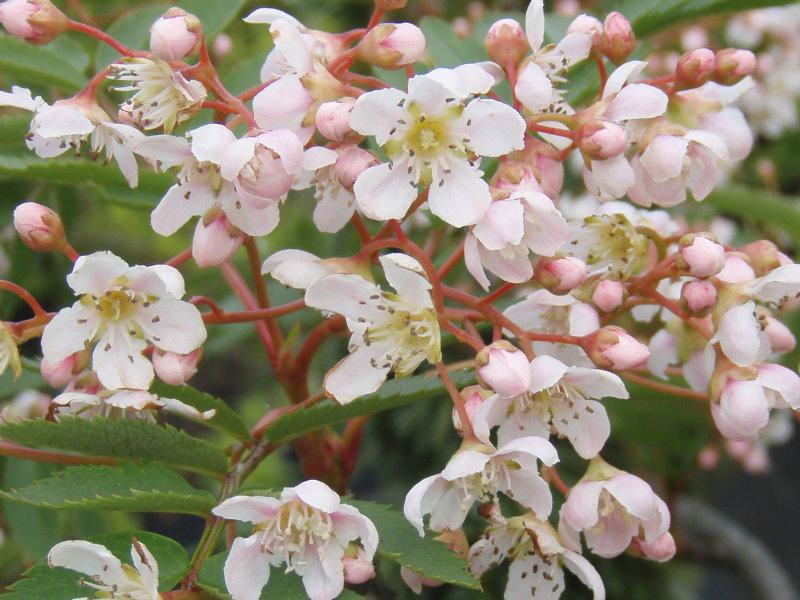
[(446, 48), (394, 393), (281, 585), (215, 16), (40, 65), (128, 487), (225, 419), (44, 583), (127, 439)]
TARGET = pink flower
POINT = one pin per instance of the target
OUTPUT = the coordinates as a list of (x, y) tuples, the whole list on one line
[(733, 65), (608, 295), (358, 569), (38, 227), (175, 35), (506, 42), (699, 297), (560, 275), (781, 338), (60, 373), (504, 369), (333, 121), (702, 256), (392, 45), (35, 21), (587, 25), (602, 140), (174, 368), (618, 40), (694, 68), (613, 348), (661, 549)]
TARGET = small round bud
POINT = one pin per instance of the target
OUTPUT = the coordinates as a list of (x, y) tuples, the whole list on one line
[(608, 295), (392, 45), (701, 256), (352, 161), (560, 275), (504, 369), (660, 550), (708, 458), (602, 139), (222, 45), (618, 39), (473, 396), (781, 338), (215, 240), (764, 256), (694, 68), (175, 369), (385, 5), (37, 22), (614, 348), (61, 373), (175, 35), (333, 121), (590, 26), (39, 227), (506, 42), (698, 297), (357, 569), (732, 65)]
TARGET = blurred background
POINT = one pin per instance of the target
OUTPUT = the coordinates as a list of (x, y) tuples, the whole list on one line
[(754, 492)]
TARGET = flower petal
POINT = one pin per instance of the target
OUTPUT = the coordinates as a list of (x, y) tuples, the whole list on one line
[(246, 569), (493, 128), (585, 423), (738, 334), (534, 24), (377, 113), (385, 191), (251, 509), (95, 273), (584, 571), (317, 495), (663, 157), (358, 374), (460, 197), (173, 325), (69, 331), (580, 510), (502, 224), (118, 360), (534, 88), (345, 294), (407, 277), (93, 560), (636, 101)]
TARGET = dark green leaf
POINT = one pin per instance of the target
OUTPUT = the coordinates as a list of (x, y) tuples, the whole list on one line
[(394, 393), (127, 439), (225, 418), (39, 65), (128, 487)]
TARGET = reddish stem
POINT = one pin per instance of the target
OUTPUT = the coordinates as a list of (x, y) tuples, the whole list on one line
[(178, 260), (24, 295), (260, 282), (667, 388), (221, 318), (361, 229), (601, 70), (451, 261), (103, 37), (458, 401)]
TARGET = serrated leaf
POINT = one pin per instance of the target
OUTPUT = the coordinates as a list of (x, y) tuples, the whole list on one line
[(445, 47), (128, 487), (225, 419), (282, 585), (394, 393), (39, 65), (126, 439), (43, 583)]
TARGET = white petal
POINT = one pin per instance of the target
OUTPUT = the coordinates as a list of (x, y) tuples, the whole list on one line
[(516, 268), (482, 554), (350, 524), (428, 94), (407, 277), (530, 491), (468, 79), (743, 410), (253, 220), (531, 446), (472, 260), (384, 192), (613, 176), (412, 507), (147, 567), (596, 383), (345, 294), (269, 15), (293, 45), (738, 334), (621, 76), (323, 578), (585, 423), (778, 284), (663, 157), (169, 150), (318, 157), (528, 571), (172, 278), (546, 372), (68, 332), (574, 47), (95, 273), (580, 510), (636, 101), (376, 113), (584, 571), (546, 229), (173, 325), (501, 224), (334, 210), (61, 120), (235, 156), (361, 373), (246, 569), (210, 142), (493, 128), (534, 24), (465, 463), (295, 268), (118, 360), (663, 352), (252, 509), (287, 146), (93, 560), (534, 89), (460, 197), (317, 495), (634, 494), (20, 98), (784, 382)]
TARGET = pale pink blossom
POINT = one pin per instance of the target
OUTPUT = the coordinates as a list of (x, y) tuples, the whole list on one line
[(392, 45), (506, 42), (333, 121), (608, 295), (661, 549), (601, 140), (781, 338), (60, 373), (588, 25), (560, 274), (699, 296), (504, 369), (416, 582), (38, 227), (614, 348), (174, 368), (694, 68), (618, 40), (703, 257), (175, 35), (35, 21), (733, 64), (358, 569)]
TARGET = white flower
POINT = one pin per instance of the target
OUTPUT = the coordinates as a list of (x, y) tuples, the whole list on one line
[(610, 244), (121, 311), (163, 97), (390, 332), (307, 529), (560, 399), (479, 472), (538, 558), (433, 136), (68, 123), (106, 574), (122, 404)]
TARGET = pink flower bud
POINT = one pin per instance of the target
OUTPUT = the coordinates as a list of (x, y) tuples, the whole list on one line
[(352, 161), (504, 369), (560, 275), (506, 42), (39, 227), (733, 65), (698, 297), (392, 45), (37, 22), (694, 68), (175, 369), (701, 256), (781, 338), (613, 348), (215, 241), (618, 39), (222, 45), (590, 26), (756, 462), (333, 121), (764, 256), (61, 373), (660, 550), (737, 269), (473, 397), (358, 569), (608, 295), (601, 140), (175, 35), (708, 458)]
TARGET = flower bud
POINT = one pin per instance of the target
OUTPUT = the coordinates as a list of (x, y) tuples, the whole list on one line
[(608, 295), (701, 256), (694, 68), (352, 161), (618, 39), (660, 550), (613, 348), (214, 241), (560, 275), (333, 121), (506, 42), (392, 45), (385, 5), (764, 256), (37, 22), (756, 461), (504, 369), (698, 297), (175, 369), (708, 458), (61, 373), (473, 396), (601, 140), (175, 35), (222, 45), (732, 65), (590, 26), (39, 227), (781, 338), (357, 569)]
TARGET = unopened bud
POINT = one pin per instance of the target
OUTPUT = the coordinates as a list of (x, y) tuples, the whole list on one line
[(385, 5), (333, 121), (614, 348), (608, 295), (708, 458), (59, 374), (506, 42), (392, 45), (732, 65), (358, 569), (756, 462), (560, 275), (694, 68), (353, 160), (764, 256), (222, 45), (37, 22), (701, 256), (473, 396), (698, 297), (175, 35), (781, 338), (602, 139), (175, 369), (504, 369), (660, 550), (39, 227), (588, 25), (214, 241), (618, 39)]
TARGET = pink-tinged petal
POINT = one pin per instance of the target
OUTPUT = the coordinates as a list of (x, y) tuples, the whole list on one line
[(520, 424), (323, 572), (525, 450), (317, 495), (252, 220), (657, 526), (613, 176), (710, 141), (412, 579), (574, 47), (213, 244), (349, 524), (738, 334), (174, 211), (93, 560), (661, 549), (287, 146), (293, 45), (147, 567), (334, 210), (407, 277), (580, 510), (69, 331), (469, 79), (236, 156), (361, 373), (377, 113), (778, 284), (663, 157), (613, 536), (172, 279), (583, 319), (621, 76), (585, 424), (528, 571), (168, 150), (173, 325), (736, 270), (385, 191), (465, 463), (489, 414), (534, 24), (295, 268), (412, 507), (501, 224), (251, 509), (534, 89), (472, 260), (546, 229), (246, 569), (634, 494), (702, 173), (663, 353), (460, 197), (698, 369), (784, 382), (596, 383), (584, 571), (514, 266), (270, 15), (546, 372), (318, 157), (731, 125), (210, 142), (95, 273), (636, 101), (743, 408), (530, 491), (118, 360), (345, 294), (493, 128)]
